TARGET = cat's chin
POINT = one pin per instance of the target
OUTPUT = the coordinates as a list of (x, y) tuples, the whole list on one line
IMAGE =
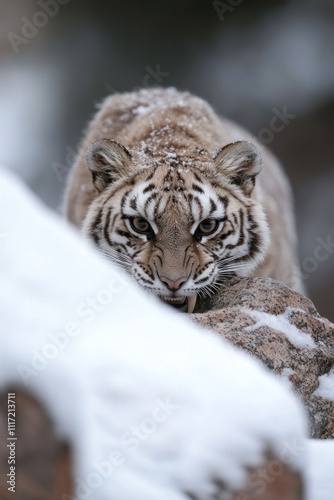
[(183, 304)]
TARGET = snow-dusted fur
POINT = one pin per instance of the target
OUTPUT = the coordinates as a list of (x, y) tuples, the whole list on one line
[(153, 406), (165, 157)]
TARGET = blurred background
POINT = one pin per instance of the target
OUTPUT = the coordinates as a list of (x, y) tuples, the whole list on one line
[(252, 61)]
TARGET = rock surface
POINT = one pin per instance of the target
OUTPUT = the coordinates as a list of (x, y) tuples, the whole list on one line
[(284, 330)]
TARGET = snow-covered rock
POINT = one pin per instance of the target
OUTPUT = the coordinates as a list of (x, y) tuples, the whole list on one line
[(153, 406), (283, 329)]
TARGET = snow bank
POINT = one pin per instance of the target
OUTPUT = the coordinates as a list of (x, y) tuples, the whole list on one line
[(152, 405), (320, 476)]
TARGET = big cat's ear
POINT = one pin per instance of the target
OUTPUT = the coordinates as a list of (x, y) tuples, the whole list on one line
[(107, 161), (240, 162)]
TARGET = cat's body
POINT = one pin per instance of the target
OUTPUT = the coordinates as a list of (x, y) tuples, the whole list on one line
[(167, 195)]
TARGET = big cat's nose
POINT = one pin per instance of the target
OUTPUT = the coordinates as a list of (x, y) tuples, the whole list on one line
[(173, 285)]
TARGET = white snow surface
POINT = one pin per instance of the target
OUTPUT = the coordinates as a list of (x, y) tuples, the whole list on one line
[(326, 387), (281, 323), (152, 405), (320, 476)]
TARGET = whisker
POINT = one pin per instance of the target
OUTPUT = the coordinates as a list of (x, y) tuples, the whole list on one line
[(119, 259), (232, 267), (114, 253), (229, 259)]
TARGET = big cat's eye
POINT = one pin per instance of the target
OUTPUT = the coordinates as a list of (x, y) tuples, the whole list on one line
[(141, 225), (206, 227)]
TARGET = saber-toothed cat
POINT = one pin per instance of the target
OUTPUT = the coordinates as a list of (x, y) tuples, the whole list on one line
[(180, 197)]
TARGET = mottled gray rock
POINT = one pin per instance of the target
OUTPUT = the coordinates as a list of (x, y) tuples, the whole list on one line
[(284, 330)]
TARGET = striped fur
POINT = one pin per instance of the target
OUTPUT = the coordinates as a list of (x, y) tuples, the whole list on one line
[(175, 164)]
